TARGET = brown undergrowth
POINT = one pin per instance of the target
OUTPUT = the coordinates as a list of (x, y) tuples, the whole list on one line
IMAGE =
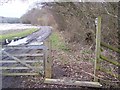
[(70, 61)]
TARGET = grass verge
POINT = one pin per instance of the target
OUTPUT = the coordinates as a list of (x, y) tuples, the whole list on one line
[(57, 42), (18, 34)]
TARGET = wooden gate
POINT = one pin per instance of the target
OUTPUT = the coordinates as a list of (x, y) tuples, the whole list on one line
[(99, 57), (23, 60), (26, 56)]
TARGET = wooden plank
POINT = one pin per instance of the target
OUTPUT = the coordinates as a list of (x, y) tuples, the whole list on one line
[(26, 61), (110, 61), (27, 55), (97, 50), (109, 72), (42, 47), (40, 68), (3, 68), (19, 74), (110, 47), (27, 65), (72, 82)]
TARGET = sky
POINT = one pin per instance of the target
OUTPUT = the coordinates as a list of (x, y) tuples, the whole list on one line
[(15, 8)]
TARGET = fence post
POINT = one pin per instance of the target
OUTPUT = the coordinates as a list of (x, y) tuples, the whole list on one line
[(48, 61), (97, 50)]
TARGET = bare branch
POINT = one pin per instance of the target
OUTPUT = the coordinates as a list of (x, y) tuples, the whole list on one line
[(110, 13)]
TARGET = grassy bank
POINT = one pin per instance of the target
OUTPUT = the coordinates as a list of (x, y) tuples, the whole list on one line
[(12, 35), (57, 42)]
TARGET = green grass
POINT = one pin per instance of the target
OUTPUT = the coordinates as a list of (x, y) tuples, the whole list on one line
[(18, 34), (57, 42)]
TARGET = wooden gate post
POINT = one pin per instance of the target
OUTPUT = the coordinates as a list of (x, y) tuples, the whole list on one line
[(97, 50), (48, 61)]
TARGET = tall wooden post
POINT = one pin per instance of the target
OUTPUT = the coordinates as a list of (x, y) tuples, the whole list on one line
[(48, 61), (97, 50)]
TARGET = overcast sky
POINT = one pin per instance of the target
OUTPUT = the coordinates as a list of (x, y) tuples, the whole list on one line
[(17, 8)]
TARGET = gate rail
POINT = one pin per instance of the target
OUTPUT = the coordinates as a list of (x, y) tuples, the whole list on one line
[(100, 57), (9, 52)]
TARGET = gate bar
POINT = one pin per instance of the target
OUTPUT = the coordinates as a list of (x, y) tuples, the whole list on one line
[(20, 61), (26, 61)]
